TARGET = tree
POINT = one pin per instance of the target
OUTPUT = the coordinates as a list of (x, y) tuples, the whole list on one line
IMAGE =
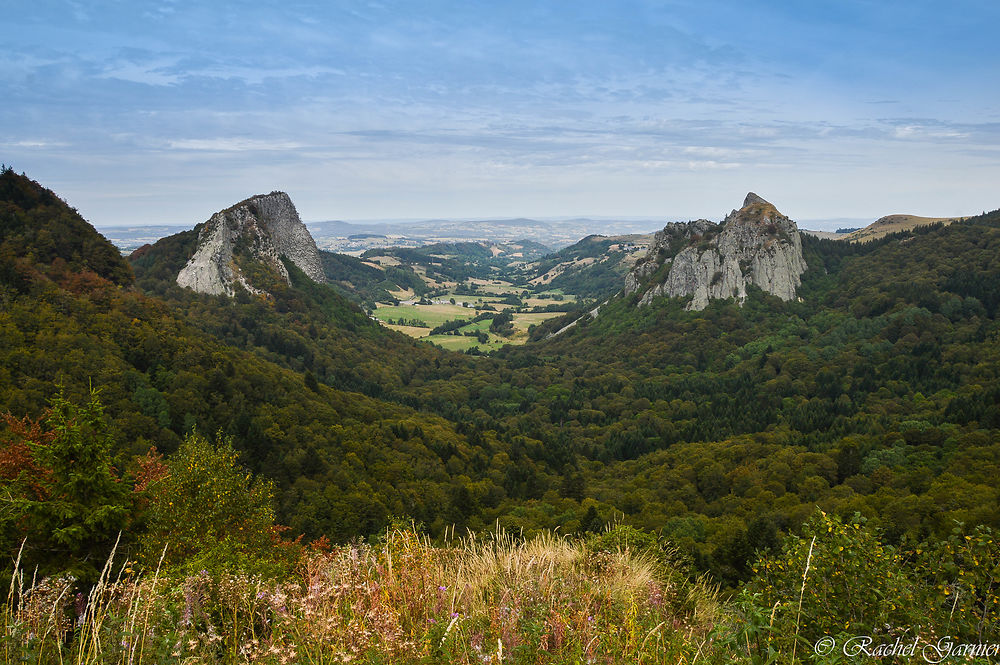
[(68, 503), (210, 513), (592, 521)]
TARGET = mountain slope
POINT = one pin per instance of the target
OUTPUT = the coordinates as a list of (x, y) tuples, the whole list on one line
[(343, 461), (870, 394), (875, 390), (40, 232), (590, 268), (894, 224)]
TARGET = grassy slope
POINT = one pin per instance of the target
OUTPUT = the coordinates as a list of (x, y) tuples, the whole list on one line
[(404, 600), (894, 224)]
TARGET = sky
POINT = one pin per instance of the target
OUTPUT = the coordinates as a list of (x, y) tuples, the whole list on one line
[(165, 112)]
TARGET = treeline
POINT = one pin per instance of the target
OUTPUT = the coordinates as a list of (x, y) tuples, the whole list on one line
[(599, 279)]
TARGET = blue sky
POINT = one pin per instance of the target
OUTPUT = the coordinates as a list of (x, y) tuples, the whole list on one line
[(164, 112)]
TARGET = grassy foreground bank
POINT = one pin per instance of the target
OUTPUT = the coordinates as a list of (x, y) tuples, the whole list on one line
[(617, 597), (545, 600)]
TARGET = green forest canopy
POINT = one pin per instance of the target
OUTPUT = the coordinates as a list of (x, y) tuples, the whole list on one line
[(720, 430)]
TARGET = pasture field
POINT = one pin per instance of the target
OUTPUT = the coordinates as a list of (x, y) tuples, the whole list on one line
[(440, 312), (433, 315), (412, 331)]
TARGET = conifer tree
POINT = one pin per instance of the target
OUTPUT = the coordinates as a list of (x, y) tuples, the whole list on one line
[(68, 504)]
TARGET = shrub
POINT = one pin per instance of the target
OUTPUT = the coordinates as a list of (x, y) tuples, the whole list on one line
[(209, 513)]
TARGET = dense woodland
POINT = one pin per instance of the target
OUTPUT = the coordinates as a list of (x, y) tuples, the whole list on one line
[(874, 398)]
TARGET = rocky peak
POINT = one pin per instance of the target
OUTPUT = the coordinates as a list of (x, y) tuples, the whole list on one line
[(260, 230), (755, 211), (754, 245)]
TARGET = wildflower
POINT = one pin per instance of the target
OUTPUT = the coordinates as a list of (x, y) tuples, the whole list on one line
[(80, 605)]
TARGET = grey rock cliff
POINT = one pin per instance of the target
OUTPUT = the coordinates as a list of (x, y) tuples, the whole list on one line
[(753, 245), (262, 228)]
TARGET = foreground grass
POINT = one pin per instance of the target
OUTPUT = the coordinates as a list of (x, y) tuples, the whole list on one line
[(405, 601)]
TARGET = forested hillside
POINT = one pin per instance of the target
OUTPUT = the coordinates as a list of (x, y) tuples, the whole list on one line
[(713, 435), (594, 267), (258, 371), (872, 393)]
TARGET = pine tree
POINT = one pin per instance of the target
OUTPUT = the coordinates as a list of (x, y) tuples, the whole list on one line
[(71, 509)]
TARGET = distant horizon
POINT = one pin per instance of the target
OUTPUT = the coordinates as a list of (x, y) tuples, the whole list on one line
[(831, 224), (175, 109), (661, 219)]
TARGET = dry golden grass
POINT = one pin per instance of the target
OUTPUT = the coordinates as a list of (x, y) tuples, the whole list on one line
[(480, 600), (412, 331), (894, 224)]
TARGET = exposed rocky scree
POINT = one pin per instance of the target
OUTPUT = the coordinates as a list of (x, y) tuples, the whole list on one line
[(753, 245), (262, 228)]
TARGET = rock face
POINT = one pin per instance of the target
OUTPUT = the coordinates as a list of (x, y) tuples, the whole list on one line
[(260, 229), (753, 245)]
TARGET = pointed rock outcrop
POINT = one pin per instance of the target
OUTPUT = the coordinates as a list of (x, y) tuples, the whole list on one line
[(260, 230), (753, 245)]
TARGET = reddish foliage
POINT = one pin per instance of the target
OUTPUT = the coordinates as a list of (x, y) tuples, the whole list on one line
[(84, 281), (16, 458), (321, 545), (152, 468)]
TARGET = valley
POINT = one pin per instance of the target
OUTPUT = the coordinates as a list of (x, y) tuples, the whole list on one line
[(477, 282), (713, 395)]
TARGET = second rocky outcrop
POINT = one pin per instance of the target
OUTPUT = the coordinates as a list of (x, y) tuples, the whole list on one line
[(753, 245)]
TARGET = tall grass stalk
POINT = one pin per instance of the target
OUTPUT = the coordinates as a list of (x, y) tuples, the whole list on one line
[(10, 612), (802, 592), (89, 638)]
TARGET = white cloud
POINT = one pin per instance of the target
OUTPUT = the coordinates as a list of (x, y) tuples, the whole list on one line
[(712, 165), (40, 143), (924, 132), (233, 145), (151, 74)]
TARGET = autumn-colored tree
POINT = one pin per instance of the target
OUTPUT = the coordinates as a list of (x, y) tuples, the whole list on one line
[(65, 500)]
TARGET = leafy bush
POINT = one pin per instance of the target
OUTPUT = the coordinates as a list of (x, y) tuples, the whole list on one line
[(839, 580), (209, 513)]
